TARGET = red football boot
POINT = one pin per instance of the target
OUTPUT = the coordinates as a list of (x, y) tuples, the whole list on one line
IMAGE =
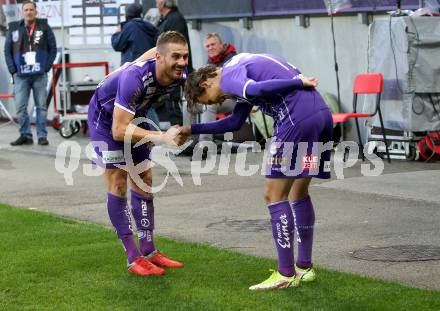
[(141, 266), (161, 260)]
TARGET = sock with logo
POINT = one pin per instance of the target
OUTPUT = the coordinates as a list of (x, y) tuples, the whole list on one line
[(120, 219), (304, 216), (143, 214), (283, 231)]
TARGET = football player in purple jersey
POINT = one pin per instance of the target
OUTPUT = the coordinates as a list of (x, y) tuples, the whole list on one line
[(115, 111), (299, 150)]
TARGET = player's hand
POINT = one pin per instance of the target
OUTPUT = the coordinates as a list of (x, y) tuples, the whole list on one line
[(171, 136), (125, 65), (185, 130), (309, 81)]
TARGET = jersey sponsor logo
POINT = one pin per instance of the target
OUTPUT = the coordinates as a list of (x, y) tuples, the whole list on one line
[(283, 232), (310, 163), (148, 79), (144, 207), (112, 156), (145, 222)]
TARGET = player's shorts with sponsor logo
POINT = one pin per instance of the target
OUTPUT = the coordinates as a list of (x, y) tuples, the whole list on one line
[(109, 153), (301, 149)]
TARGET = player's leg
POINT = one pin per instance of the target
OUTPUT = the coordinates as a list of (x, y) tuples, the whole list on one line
[(142, 203), (110, 154), (304, 216), (22, 90), (276, 197), (317, 131), (116, 181)]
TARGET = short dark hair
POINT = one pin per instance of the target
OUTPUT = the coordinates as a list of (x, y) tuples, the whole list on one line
[(193, 89), (133, 10), (169, 37), (27, 2)]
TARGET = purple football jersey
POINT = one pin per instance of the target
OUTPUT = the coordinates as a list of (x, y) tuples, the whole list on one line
[(245, 68), (132, 89)]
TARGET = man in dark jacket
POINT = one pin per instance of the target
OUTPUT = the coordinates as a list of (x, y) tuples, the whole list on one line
[(172, 19), (30, 50), (169, 107), (136, 35)]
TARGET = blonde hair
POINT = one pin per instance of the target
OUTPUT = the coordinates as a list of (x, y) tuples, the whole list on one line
[(169, 37)]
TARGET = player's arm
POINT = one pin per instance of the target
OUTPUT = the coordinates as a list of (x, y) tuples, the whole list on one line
[(151, 53), (122, 126), (231, 123), (278, 86), (130, 90)]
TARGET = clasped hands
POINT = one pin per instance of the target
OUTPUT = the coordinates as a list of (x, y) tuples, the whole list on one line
[(176, 135)]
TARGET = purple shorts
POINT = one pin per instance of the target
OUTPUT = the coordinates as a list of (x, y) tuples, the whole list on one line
[(109, 153), (298, 150)]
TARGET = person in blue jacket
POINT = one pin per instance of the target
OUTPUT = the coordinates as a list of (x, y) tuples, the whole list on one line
[(30, 50), (136, 36)]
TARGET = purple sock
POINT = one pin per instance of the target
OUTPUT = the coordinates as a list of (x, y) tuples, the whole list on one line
[(120, 219), (143, 214), (283, 231), (304, 224)]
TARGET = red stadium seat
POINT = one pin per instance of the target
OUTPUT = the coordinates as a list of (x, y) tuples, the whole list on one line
[(367, 83)]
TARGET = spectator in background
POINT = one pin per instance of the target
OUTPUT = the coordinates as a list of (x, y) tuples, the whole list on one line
[(133, 39), (135, 35), (152, 16), (169, 106), (30, 50), (218, 54), (172, 19)]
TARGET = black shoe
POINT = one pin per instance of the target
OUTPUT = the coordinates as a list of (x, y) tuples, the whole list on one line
[(22, 140), (43, 141)]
